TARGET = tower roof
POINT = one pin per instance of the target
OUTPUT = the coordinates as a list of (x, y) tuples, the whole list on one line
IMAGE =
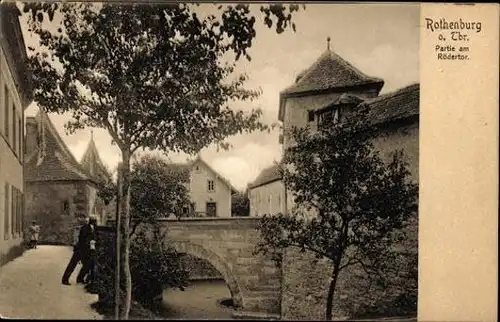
[(330, 71), (51, 160), (91, 161)]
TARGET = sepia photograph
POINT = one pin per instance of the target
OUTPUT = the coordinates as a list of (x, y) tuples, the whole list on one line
[(228, 161)]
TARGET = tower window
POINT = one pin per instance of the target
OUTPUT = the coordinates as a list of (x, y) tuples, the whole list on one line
[(310, 116)]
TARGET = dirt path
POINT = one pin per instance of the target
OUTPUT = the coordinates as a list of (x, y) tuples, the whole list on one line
[(30, 287)]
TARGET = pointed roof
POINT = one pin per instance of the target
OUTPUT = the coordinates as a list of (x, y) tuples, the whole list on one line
[(199, 159), (51, 160), (328, 72), (268, 175), (91, 161)]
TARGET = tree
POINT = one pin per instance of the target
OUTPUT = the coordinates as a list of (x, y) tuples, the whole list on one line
[(152, 75), (350, 206), (240, 204), (157, 190), (106, 187)]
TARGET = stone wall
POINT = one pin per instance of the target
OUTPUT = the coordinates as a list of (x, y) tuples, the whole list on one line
[(45, 203), (305, 287), (306, 279)]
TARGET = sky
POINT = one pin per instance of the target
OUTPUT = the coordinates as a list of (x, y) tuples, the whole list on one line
[(381, 40)]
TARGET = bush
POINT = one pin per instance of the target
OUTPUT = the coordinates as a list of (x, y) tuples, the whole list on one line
[(153, 267)]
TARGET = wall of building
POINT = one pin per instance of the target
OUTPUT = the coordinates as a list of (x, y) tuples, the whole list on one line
[(11, 169), (297, 108), (403, 137), (45, 203), (305, 279), (199, 194), (267, 199)]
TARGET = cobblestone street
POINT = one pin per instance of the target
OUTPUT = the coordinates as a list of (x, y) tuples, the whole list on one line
[(30, 287)]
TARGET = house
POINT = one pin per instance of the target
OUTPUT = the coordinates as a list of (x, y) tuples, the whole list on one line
[(209, 192), (331, 85), (267, 193), (60, 192), (15, 96)]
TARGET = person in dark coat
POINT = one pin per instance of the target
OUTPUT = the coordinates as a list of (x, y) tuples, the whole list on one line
[(81, 252)]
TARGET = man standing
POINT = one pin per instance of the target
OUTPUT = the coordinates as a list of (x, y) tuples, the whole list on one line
[(81, 251), (88, 256)]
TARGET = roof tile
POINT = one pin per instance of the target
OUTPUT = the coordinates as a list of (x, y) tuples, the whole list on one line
[(56, 163), (402, 103), (268, 175), (328, 72)]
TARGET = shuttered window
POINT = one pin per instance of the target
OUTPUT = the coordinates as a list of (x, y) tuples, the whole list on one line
[(6, 231)]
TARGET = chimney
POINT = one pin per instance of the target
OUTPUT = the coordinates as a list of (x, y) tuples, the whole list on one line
[(31, 138)]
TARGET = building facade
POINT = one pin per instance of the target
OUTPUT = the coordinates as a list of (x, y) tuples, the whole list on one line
[(15, 96), (209, 192), (60, 192), (333, 86), (267, 193)]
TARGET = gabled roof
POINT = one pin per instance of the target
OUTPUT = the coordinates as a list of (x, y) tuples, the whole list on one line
[(328, 72), (397, 105), (92, 163), (199, 159), (51, 160), (268, 175)]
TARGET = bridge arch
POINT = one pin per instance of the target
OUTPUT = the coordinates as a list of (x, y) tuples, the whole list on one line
[(221, 265)]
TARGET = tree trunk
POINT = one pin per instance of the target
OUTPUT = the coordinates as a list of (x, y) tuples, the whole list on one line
[(125, 246), (118, 245), (331, 290)]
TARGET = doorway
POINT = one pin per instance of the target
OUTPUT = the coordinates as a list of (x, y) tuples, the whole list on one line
[(211, 209)]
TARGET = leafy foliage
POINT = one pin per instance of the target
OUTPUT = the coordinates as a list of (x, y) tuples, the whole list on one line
[(154, 267), (156, 79), (350, 206), (156, 76), (162, 268), (158, 189), (240, 204)]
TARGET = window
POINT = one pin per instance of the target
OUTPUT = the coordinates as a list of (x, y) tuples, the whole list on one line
[(335, 113), (13, 213), (211, 185), (310, 116), (7, 109), (6, 231), (20, 141), (65, 207), (14, 130), (20, 212)]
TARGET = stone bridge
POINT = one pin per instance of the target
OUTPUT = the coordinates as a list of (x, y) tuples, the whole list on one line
[(228, 244)]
